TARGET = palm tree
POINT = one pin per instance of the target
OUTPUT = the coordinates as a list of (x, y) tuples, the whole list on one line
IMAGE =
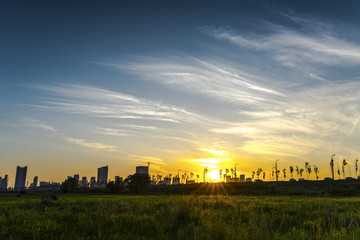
[(284, 171), (220, 174), (297, 171), (232, 172), (343, 167), (258, 172), (205, 172), (301, 170), (253, 174), (291, 171), (332, 165), (191, 175), (309, 171), (306, 167), (316, 170), (198, 176), (264, 176), (356, 166)]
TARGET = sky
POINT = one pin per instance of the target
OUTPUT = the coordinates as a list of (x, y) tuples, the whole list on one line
[(180, 84)]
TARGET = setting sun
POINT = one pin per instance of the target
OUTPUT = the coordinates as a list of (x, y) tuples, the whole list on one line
[(213, 175)]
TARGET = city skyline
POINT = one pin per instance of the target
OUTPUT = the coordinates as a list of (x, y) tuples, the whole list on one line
[(181, 85)]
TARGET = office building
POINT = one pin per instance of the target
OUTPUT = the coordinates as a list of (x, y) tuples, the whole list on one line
[(4, 183), (20, 177), (35, 182), (84, 182), (102, 175), (142, 170), (77, 177), (242, 177), (92, 181)]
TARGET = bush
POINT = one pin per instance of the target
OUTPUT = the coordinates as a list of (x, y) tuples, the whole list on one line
[(137, 181), (70, 185), (115, 187)]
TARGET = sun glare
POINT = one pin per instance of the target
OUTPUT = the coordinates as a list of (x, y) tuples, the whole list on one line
[(213, 175)]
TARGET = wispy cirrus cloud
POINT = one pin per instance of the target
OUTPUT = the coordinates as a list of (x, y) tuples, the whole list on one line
[(314, 44), (33, 123), (199, 76), (98, 102)]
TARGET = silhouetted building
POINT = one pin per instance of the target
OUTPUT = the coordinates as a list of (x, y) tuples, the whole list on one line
[(84, 182), (102, 175), (176, 180), (4, 183), (44, 184), (230, 179), (20, 177), (92, 181), (167, 181), (190, 181), (34, 183), (77, 177), (142, 170)]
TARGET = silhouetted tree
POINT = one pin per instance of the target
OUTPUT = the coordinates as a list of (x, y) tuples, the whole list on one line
[(306, 167), (205, 172), (297, 171), (226, 172), (137, 181), (232, 172), (343, 167), (253, 175), (258, 172), (264, 176), (70, 185), (332, 166), (220, 174), (356, 166), (301, 170), (316, 170), (284, 171), (198, 176), (115, 187), (291, 171), (277, 174), (191, 175), (309, 171)]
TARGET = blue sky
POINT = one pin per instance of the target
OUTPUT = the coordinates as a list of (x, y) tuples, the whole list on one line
[(181, 85)]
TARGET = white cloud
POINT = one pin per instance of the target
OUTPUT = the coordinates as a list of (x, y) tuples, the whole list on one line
[(92, 145), (98, 102), (292, 48), (33, 123)]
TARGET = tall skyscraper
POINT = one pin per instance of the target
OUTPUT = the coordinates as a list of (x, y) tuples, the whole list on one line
[(4, 182), (102, 175), (142, 170), (20, 177), (34, 184)]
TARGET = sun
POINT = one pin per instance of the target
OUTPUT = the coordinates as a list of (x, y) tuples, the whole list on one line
[(213, 175)]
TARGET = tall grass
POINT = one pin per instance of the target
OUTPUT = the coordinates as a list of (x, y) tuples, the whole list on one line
[(180, 217)]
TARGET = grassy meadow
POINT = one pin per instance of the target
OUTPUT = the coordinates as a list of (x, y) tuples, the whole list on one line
[(179, 217)]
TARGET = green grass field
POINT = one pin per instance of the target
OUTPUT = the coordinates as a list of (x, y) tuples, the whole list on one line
[(179, 217)]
